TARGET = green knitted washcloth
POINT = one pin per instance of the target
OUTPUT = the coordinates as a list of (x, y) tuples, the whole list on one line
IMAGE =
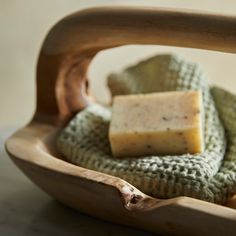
[(85, 140)]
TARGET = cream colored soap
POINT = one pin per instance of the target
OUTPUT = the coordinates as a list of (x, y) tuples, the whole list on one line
[(156, 124)]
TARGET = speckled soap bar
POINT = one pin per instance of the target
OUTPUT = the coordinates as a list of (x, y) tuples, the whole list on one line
[(166, 123)]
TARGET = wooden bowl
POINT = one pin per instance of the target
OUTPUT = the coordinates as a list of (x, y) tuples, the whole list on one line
[(62, 90)]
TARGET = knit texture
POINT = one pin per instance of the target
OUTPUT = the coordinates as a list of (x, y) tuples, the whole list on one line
[(85, 140)]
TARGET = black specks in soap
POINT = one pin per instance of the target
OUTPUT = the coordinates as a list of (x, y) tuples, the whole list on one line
[(179, 133), (197, 112)]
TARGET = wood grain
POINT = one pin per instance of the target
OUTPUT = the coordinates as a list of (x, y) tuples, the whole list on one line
[(62, 90)]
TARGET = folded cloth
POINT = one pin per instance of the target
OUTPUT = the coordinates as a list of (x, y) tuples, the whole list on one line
[(85, 139)]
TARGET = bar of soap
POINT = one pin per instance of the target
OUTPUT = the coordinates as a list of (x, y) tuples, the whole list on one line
[(166, 123)]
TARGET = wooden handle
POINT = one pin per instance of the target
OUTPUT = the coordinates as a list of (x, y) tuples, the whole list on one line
[(74, 41)]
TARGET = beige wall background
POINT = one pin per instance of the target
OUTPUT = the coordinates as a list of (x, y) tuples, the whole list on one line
[(24, 24)]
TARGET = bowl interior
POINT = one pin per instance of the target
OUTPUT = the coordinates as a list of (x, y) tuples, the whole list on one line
[(50, 147)]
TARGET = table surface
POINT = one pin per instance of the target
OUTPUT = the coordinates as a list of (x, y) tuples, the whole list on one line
[(27, 210)]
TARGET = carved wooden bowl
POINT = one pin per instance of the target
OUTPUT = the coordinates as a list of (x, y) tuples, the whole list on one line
[(62, 90)]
